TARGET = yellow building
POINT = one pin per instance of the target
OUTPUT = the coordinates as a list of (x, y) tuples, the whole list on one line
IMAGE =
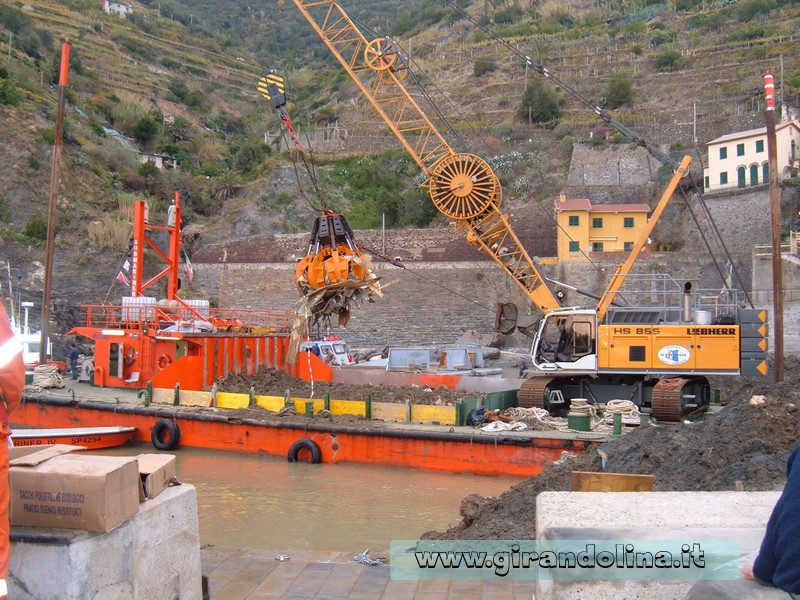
[(585, 229)]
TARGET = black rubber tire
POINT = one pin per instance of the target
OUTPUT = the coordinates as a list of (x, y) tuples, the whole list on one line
[(307, 444), (165, 434)]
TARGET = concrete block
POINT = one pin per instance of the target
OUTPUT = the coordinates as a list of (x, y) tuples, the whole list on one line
[(155, 555), (734, 516)]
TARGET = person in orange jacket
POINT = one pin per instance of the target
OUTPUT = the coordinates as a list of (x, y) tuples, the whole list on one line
[(12, 382)]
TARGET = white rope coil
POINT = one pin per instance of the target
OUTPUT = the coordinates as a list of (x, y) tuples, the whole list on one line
[(629, 411), (535, 418), (580, 407), (45, 376)]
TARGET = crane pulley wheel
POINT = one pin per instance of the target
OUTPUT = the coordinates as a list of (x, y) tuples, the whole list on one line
[(377, 56), (463, 186), (385, 77)]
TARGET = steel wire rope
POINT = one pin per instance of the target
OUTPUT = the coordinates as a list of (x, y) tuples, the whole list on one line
[(419, 84), (287, 128), (406, 58), (297, 177), (721, 241), (664, 159), (421, 276), (537, 66), (430, 100)]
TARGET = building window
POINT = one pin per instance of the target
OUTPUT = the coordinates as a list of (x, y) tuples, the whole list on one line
[(628, 222), (574, 247), (723, 153), (741, 175), (574, 220), (759, 145), (597, 222), (628, 246), (597, 246), (723, 178), (707, 182), (739, 149), (753, 174), (765, 172)]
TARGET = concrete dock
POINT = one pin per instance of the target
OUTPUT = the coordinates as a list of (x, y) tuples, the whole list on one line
[(243, 574)]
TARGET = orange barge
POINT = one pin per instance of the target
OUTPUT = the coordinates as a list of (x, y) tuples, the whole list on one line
[(430, 447)]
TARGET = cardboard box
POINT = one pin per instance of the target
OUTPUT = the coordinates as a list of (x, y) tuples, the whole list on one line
[(156, 472), (54, 487)]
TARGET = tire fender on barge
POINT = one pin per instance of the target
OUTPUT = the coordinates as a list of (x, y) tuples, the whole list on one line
[(305, 444), (165, 434)]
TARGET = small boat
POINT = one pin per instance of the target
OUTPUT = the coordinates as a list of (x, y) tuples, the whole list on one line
[(91, 438)]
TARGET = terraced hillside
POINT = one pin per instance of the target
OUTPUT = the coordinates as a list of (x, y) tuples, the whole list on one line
[(178, 78)]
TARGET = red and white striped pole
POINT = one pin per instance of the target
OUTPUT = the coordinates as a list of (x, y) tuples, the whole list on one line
[(775, 209), (769, 90)]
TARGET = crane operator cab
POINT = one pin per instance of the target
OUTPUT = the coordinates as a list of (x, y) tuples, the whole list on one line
[(566, 340)]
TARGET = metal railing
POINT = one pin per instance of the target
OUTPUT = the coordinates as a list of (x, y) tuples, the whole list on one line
[(158, 317), (662, 291)]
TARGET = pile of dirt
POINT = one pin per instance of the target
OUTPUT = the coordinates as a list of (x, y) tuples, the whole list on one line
[(746, 445), (269, 382), (748, 441)]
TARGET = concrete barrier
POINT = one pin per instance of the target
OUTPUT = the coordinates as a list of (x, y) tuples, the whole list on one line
[(155, 555), (729, 516)]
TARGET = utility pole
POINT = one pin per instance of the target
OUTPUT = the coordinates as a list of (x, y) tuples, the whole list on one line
[(51, 218), (775, 209)]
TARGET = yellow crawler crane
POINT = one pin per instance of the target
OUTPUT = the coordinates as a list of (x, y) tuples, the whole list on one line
[(656, 355)]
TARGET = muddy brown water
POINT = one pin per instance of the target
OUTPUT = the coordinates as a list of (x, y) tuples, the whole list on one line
[(265, 502)]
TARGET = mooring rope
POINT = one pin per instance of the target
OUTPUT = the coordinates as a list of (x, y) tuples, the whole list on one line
[(45, 376), (629, 411)]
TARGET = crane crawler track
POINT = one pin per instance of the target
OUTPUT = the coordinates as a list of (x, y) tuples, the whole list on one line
[(532, 392), (674, 399)]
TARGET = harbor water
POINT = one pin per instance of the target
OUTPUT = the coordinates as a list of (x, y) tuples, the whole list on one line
[(265, 502)]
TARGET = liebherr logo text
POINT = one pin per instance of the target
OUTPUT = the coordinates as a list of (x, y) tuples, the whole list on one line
[(710, 331)]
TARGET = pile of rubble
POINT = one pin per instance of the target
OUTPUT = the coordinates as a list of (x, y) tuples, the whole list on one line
[(744, 446)]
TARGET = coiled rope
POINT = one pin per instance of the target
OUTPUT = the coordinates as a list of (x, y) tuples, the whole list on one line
[(45, 376), (629, 411), (536, 418)]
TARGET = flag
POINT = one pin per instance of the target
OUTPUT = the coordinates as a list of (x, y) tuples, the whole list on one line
[(189, 270), (122, 279), (127, 266)]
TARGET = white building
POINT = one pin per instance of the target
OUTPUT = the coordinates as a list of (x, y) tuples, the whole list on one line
[(117, 8), (159, 160), (739, 160)]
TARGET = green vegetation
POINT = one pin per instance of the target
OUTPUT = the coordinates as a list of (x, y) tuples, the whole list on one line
[(483, 65), (379, 186), (539, 104), (619, 91), (9, 93), (178, 79), (36, 230), (670, 60)]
